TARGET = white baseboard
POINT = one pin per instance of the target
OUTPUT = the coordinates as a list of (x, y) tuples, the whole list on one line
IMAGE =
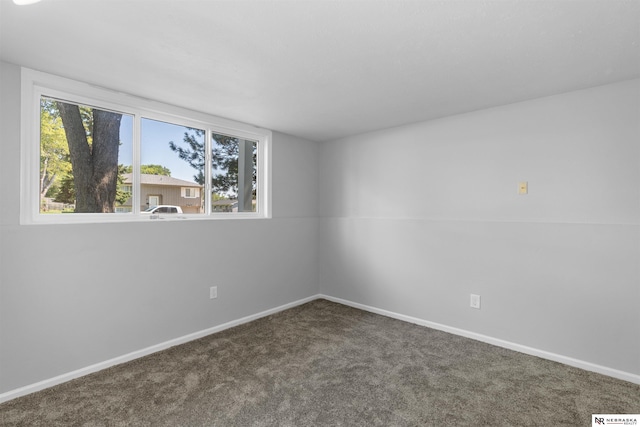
[(32, 388), (588, 366)]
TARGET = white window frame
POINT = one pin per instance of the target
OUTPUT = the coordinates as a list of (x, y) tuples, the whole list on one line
[(191, 190), (36, 84)]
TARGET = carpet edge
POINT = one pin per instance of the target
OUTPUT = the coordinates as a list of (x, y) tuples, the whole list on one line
[(576, 363), (62, 378)]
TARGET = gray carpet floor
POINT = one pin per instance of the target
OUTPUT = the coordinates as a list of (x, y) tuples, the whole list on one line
[(325, 364)]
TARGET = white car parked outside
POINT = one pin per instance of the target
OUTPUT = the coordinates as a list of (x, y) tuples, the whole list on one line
[(169, 209)]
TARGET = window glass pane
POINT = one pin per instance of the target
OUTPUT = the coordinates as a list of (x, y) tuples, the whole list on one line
[(171, 166), (84, 153), (233, 178)]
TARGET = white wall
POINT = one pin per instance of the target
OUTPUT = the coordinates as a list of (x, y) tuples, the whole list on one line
[(75, 295), (415, 218)]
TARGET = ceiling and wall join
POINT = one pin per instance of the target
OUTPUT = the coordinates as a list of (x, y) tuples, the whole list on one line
[(303, 67)]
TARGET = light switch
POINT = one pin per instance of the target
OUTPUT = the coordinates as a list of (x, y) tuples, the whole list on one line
[(523, 187)]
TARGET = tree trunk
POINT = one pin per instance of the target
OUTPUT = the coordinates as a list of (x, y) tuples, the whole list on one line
[(95, 166), (106, 144)]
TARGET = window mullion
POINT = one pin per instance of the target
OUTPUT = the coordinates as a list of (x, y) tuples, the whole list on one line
[(136, 193), (207, 172)]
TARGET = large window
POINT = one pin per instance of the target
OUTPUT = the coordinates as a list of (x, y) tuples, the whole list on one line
[(92, 155)]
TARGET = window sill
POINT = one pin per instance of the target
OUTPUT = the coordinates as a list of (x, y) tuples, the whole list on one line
[(74, 218)]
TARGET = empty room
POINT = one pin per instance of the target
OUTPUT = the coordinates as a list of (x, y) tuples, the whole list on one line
[(319, 213)]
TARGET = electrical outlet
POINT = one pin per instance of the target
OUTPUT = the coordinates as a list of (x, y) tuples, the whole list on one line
[(475, 301), (213, 292)]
